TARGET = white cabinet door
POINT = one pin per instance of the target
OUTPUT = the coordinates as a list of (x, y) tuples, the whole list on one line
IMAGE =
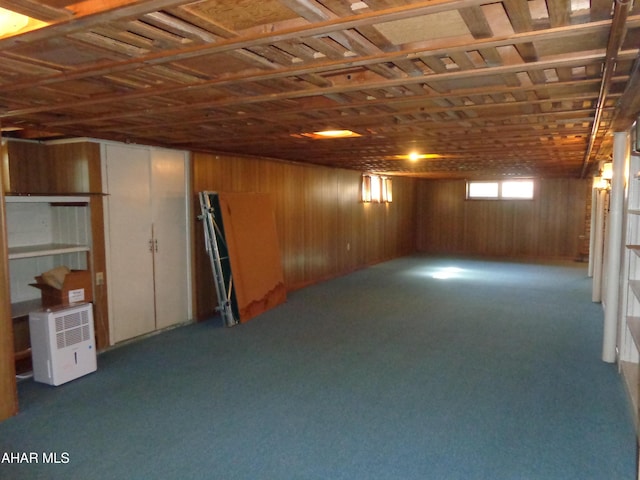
[(148, 240), (130, 265), (168, 191)]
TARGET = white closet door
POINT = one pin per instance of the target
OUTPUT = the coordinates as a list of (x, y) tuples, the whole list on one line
[(131, 291), (168, 191)]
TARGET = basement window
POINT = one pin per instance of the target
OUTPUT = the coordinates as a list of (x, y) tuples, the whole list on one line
[(500, 190)]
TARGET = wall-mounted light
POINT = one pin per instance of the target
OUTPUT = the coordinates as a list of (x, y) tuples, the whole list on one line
[(603, 180), (376, 188), (387, 190), (601, 183), (366, 188)]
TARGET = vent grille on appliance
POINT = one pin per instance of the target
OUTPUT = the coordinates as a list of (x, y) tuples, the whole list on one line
[(72, 328)]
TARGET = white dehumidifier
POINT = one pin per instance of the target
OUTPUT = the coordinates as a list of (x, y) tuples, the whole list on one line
[(62, 343)]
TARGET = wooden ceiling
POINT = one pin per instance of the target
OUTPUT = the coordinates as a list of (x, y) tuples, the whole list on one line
[(486, 88)]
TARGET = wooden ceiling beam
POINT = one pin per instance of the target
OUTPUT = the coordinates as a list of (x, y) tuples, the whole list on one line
[(295, 70), (312, 92), (339, 111), (559, 12), (88, 14), (313, 30)]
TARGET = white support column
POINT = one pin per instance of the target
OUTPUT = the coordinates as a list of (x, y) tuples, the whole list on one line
[(598, 246), (614, 247), (592, 236)]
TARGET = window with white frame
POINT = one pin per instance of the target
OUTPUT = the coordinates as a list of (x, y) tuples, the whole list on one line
[(522, 189)]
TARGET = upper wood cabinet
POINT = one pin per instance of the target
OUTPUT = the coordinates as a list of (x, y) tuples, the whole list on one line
[(58, 168)]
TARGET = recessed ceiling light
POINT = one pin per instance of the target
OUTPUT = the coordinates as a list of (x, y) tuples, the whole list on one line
[(337, 133), (415, 156), (331, 134)]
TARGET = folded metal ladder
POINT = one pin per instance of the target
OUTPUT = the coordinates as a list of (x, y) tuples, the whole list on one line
[(214, 239)]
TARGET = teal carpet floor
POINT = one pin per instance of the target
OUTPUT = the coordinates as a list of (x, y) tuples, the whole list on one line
[(420, 368)]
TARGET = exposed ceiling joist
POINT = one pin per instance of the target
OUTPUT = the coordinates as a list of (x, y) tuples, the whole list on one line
[(512, 87)]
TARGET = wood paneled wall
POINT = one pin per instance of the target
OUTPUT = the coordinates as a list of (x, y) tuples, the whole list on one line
[(324, 229), (66, 168), (549, 226), (8, 391)]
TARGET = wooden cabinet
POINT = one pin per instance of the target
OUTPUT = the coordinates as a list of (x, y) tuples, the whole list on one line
[(43, 232), (147, 239)]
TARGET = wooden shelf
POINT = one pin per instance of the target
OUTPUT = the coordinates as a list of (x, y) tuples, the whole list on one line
[(44, 250), (69, 199), (22, 309)]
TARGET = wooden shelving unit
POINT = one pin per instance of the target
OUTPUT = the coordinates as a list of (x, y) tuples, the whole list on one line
[(43, 232), (629, 342)]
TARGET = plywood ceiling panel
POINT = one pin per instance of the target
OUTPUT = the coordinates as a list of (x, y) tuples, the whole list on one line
[(242, 14), (424, 28)]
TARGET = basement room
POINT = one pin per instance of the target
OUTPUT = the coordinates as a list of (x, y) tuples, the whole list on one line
[(320, 239)]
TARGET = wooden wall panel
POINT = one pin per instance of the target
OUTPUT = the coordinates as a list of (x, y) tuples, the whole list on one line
[(441, 216), (324, 229), (8, 391), (548, 226)]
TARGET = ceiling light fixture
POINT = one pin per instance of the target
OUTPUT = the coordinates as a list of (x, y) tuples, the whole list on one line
[(11, 22), (415, 156), (331, 134), (336, 133)]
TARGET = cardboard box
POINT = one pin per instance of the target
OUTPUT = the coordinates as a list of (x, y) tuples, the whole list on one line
[(75, 288)]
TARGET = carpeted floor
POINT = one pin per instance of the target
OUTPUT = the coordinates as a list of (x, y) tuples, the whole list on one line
[(416, 369)]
